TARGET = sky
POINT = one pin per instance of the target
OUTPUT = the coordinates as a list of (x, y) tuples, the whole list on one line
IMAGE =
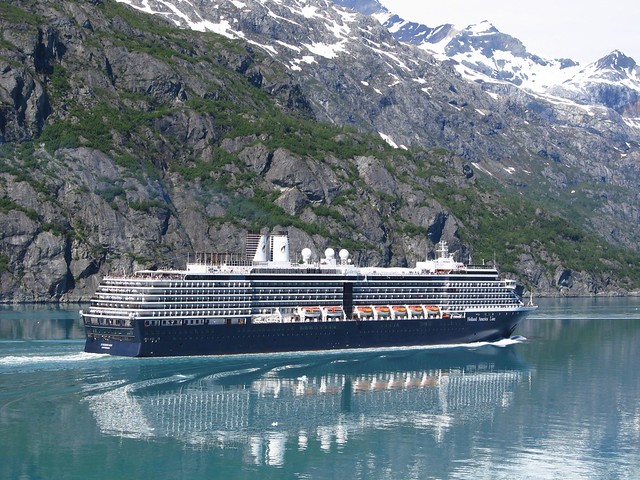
[(582, 31)]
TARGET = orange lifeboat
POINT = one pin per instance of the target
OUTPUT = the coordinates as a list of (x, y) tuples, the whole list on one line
[(311, 312), (399, 311), (364, 312), (333, 312)]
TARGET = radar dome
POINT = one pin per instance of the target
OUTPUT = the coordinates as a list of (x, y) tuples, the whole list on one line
[(306, 255), (344, 255), (329, 253)]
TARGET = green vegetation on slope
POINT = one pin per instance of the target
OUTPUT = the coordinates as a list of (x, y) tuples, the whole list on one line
[(144, 131), (506, 226)]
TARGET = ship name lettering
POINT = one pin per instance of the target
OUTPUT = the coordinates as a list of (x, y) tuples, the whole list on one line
[(481, 318)]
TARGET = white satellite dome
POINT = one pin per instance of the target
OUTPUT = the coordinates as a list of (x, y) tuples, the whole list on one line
[(329, 254), (344, 255), (306, 255)]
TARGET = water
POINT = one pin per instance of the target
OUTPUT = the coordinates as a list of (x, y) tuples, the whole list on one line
[(560, 401)]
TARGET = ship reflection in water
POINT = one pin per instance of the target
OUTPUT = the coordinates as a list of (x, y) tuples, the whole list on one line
[(311, 401)]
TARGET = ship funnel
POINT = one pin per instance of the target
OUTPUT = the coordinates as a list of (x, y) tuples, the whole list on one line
[(280, 245), (261, 251)]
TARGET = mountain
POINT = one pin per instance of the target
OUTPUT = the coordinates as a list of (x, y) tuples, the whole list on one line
[(413, 97), (133, 134), (613, 81), (484, 54)]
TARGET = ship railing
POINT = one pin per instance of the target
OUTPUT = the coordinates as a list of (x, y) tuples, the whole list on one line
[(219, 259), (106, 314), (157, 275), (510, 284), (274, 318), (492, 308), (141, 279), (480, 266)]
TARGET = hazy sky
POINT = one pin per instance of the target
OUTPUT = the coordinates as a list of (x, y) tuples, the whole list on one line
[(583, 31)]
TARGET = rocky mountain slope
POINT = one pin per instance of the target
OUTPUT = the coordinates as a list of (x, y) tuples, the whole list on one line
[(482, 53), (129, 139), (411, 99)]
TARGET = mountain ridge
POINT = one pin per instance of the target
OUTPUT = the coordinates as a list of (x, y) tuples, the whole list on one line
[(482, 53)]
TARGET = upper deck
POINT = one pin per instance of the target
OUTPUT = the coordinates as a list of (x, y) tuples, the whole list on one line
[(236, 267), (280, 264)]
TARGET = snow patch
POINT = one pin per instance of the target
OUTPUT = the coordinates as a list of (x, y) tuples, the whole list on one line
[(482, 169), (289, 46), (388, 139), (268, 48), (325, 50)]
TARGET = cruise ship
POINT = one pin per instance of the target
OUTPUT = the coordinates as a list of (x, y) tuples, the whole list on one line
[(262, 302)]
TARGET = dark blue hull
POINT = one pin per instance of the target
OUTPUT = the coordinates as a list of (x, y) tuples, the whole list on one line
[(183, 340)]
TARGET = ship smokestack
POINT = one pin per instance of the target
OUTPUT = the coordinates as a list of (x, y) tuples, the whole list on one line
[(261, 250), (280, 246)]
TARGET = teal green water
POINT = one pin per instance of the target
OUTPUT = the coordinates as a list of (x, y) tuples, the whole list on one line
[(562, 400)]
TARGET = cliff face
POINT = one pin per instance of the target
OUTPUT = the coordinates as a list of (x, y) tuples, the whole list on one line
[(127, 143)]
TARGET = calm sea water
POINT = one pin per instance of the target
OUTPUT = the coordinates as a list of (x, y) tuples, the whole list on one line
[(561, 401)]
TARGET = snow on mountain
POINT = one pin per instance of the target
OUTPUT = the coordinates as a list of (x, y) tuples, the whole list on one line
[(237, 19), (482, 53), (613, 81), (316, 39), (482, 49)]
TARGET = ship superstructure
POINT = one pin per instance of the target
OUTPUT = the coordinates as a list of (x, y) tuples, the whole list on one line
[(263, 302)]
